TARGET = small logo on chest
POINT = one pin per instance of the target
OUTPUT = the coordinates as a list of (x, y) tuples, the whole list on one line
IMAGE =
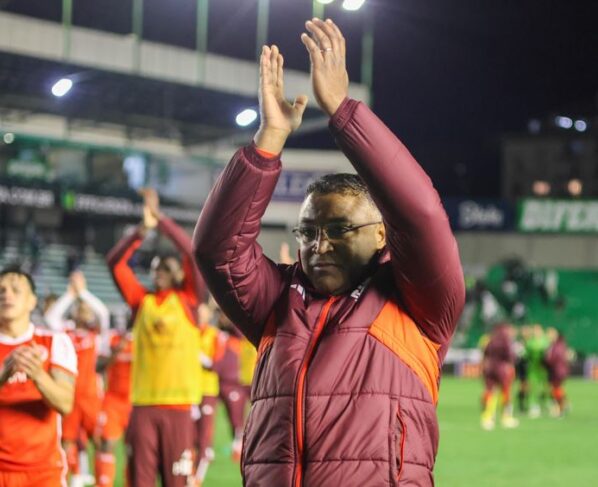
[(300, 289)]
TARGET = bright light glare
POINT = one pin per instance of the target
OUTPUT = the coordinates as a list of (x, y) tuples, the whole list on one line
[(541, 188), (246, 117), (564, 122), (575, 187), (325, 2), (581, 125), (534, 125), (353, 4), (62, 87), (9, 138)]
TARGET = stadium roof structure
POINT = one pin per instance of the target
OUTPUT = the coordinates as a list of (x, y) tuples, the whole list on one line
[(144, 90)]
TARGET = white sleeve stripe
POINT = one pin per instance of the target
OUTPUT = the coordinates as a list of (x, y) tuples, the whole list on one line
[(63, 353)]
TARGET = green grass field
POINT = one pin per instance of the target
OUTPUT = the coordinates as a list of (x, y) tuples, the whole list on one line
[(543, 452)]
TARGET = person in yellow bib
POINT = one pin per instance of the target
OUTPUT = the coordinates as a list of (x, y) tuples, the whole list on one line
[(166, 374), (247, 362)]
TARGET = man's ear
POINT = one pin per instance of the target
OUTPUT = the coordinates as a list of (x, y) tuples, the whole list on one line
[(380, 236)]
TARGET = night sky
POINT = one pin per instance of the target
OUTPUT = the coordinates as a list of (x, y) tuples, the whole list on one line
[(451, 76)]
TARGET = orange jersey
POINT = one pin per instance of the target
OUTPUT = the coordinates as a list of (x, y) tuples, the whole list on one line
[(29, 428), (118, 373), (86, 345)]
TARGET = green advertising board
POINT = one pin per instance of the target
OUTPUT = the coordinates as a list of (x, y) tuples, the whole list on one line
[(558, 216)]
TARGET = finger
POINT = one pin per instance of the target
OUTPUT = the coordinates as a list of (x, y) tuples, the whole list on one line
[(320, 36), (265, 74), (18, 353), (330, 34), (314, 51), (280, 74), (339, 36), (22, 363), (274, 53), (30, 351)]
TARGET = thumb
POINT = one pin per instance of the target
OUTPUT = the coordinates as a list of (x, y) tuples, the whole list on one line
[(300, 104)]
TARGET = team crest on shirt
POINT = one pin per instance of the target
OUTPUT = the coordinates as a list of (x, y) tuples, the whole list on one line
[(18, 378), (300, 289)]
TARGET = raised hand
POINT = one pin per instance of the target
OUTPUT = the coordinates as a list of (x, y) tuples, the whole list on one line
[(77, 282), (29, 360), (279, 118), (327, 52), (151, 207)]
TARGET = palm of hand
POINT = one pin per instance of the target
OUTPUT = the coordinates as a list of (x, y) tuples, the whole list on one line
[(276, 112)]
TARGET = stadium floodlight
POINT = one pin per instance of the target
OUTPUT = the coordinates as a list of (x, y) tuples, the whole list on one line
[(353, 4), (581, 125), (62, 87), (563, 122), (541, 188), (246, 117), (324, 2)]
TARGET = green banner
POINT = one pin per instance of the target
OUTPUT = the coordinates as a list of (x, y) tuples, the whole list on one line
[(558, 216)]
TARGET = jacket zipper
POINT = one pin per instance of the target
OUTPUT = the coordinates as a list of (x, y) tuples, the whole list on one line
[(300, 392)]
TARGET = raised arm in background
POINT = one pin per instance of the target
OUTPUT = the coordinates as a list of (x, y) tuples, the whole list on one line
[(118, 258), (56, 315), (193, 285)]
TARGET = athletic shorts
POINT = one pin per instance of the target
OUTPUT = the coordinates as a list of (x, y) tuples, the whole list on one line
[(159, 440), (35, 478), (499, 374), (83, 417), (113, 418)]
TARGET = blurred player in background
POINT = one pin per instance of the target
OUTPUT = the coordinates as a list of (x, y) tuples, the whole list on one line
[(84, 318), (37, 383), (535, 350), (206, 417), (114, 361), (248, 360), (232, 392), (557, 362), (498, 369), (166, 343), (521, 368)]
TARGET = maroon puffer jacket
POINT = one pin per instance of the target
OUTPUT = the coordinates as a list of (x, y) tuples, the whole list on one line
[(345, 388)]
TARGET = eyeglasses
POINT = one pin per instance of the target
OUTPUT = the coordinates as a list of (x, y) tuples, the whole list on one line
[(333, 232)]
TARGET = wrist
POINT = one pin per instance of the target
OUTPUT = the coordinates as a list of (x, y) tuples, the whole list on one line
[(37, 376), (330, 107), (271, 139)]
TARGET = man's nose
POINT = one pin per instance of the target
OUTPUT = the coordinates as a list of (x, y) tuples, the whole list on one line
[(321, 243)]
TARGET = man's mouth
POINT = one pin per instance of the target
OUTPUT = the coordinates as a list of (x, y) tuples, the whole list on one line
[(323, 266)]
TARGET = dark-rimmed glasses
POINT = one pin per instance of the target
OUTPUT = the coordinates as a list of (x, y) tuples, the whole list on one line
[(333, 232)]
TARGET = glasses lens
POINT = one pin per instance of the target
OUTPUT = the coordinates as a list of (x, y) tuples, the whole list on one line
[(336, 232), (306, 234)]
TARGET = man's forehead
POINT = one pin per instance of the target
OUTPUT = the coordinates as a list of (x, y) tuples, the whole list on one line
[(166, 263), (335, 207), (14, 279)]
